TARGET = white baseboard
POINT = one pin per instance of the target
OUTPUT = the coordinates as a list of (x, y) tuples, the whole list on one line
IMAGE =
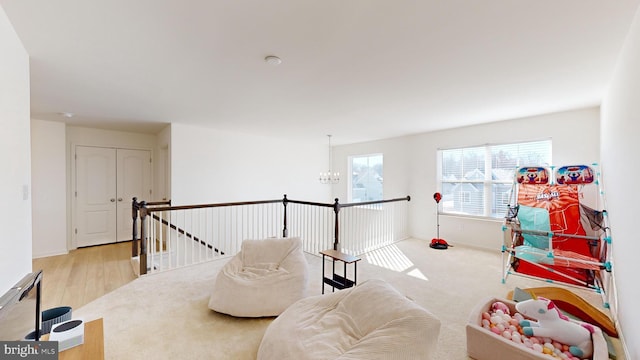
[(51, 253)]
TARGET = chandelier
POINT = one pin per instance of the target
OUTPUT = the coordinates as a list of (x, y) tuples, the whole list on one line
[(329, 177)]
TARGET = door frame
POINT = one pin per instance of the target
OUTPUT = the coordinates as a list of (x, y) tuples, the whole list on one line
[(73, 208)]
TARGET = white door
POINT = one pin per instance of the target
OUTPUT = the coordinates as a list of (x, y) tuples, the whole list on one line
[(133, 179), (106, 181), (95, 195)]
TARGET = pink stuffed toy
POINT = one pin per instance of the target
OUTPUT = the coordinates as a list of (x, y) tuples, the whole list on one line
[(553, 324)]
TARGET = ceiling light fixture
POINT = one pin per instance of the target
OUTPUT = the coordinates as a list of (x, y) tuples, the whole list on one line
[(67, 114), (330, 177), (273, 60)]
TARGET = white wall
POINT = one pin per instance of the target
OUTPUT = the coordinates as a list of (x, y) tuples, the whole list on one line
[(410, 166), (49, 179), (620, 129), (52, 177), (109, 138), (162, 172), (209, 166), (15, 158), (396, 166)]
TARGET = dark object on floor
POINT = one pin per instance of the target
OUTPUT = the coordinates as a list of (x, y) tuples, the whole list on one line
[(439, 244)]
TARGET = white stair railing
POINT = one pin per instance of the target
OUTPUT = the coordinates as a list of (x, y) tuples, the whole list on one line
[(177, 236), (365, 228)]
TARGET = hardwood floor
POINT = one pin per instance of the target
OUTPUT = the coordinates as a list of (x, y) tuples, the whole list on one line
[(84, 274)]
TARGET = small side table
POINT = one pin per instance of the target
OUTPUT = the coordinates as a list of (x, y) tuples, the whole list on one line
[(338, 281)]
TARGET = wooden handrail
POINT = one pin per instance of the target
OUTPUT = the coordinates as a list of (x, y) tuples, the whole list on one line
[(258, 202), (201, 206), (406, 198), (310, 203)]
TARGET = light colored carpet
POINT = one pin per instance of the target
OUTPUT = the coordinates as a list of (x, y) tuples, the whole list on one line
[(165, 315)]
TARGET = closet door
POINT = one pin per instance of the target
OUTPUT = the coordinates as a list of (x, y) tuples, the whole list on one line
[(106, 181), (133, 179), (96, 195)]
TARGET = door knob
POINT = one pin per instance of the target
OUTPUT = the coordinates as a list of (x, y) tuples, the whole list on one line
[(119, 199), (112, 200)]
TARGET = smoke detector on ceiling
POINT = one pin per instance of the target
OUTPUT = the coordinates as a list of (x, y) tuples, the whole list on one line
[(273, 60)]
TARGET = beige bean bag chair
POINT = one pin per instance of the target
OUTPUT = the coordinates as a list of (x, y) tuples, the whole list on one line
[(263, 279), (370, 321)]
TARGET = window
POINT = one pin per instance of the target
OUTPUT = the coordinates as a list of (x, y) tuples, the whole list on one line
[(466, 197), (477, 180), (366, 178)]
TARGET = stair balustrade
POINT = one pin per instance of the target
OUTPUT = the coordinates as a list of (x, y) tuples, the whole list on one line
[(166, 236)]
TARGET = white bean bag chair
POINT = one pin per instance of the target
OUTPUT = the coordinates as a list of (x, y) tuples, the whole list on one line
[(263, 279), (370, 321)]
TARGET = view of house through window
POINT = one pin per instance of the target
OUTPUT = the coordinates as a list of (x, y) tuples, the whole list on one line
[(478, 180), (366, 178)]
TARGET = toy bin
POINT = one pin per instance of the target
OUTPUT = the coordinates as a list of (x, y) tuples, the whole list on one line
[(54, 316), (483, 344)]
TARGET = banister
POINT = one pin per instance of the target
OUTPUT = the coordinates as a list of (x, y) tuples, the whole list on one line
[(336, 236), (258, 202), (134, 230), (285, 201), (202, 206), (143, 238), (310, 203), (406, 198), (143, 209)]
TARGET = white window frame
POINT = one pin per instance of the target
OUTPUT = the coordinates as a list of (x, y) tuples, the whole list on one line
[(350, 175), (487, 182)]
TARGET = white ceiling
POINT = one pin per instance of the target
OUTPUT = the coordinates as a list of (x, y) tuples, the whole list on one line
[(357, 69)]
